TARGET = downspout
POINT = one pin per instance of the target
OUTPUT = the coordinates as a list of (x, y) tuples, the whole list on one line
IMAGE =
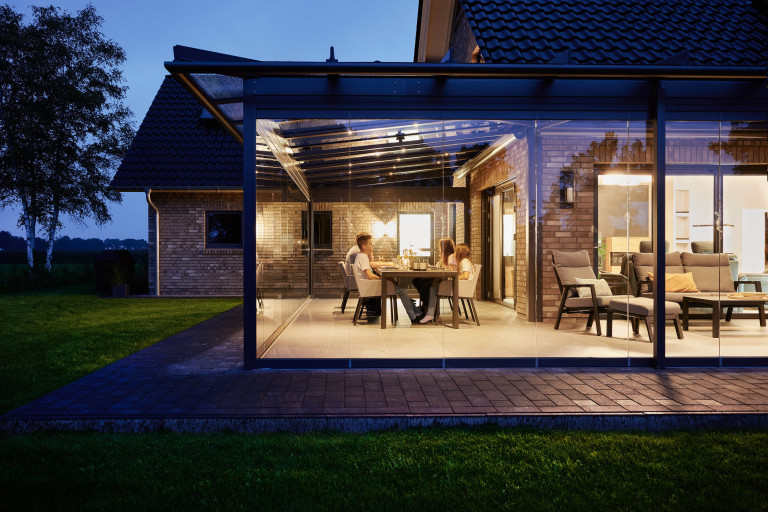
[(148, 194)]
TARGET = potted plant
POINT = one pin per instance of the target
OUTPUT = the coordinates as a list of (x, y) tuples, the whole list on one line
[(121, 277)]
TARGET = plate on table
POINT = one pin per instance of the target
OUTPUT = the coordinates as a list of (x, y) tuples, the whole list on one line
[(388, 267)]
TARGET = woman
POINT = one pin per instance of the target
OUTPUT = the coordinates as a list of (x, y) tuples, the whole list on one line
[(447, 261)]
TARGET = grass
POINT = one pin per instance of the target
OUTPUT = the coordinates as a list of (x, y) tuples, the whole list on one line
[(52, 337), (483, 469)]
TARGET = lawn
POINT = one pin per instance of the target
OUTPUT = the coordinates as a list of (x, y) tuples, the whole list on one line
[(50, 338), (459, 469)]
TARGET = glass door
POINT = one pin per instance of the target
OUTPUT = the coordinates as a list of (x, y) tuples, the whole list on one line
[(502, 226)]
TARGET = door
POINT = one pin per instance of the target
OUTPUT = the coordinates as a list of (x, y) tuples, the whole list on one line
[(502, 222)]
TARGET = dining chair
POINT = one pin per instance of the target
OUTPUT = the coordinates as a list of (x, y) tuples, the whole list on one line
[(349, 284), (371, 288), (466, 294)]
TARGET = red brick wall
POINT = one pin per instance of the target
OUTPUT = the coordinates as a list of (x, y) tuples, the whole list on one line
[(512, 161), (188, 268)]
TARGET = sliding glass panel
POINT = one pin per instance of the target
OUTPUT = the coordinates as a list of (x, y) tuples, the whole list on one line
[(595, 181), (744, 226), (693, 169), (282, 260)]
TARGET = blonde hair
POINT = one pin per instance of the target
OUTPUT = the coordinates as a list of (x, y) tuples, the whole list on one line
[(462, 252), (446, 249)]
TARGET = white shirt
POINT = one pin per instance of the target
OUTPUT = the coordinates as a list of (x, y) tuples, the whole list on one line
[(350, 259), (362, 264), (466, 266)]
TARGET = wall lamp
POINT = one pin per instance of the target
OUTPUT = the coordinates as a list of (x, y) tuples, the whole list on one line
[(567, 189)]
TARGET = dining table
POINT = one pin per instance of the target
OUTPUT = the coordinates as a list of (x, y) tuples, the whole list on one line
[(392, 273)]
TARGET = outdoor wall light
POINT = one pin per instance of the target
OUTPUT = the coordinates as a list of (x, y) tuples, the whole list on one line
[(567, 189)]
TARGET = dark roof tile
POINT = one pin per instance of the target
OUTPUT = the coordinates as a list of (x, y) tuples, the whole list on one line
[(714, 32), (173, 147)]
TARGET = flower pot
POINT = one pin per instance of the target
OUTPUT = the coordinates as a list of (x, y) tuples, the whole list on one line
[(120, 290)]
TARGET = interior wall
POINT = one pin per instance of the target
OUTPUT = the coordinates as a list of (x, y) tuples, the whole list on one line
[(510, 162), (379, 219)]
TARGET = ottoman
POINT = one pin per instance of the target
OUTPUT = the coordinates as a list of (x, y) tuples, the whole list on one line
[(641, 308)]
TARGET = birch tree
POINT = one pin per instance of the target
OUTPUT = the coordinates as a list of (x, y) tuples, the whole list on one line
[(67, 79)]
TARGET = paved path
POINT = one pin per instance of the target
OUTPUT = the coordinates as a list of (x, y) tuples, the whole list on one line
[(193, 382)]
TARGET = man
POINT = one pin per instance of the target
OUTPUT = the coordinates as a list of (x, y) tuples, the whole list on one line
[(363, 269), (355, 250)]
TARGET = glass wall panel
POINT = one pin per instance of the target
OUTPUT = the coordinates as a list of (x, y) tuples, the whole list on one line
[(282, 258), (595, 183), (692, 184), (717, 199), (743, 148)]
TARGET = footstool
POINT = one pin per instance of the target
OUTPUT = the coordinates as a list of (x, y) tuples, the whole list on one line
[(641, 308)]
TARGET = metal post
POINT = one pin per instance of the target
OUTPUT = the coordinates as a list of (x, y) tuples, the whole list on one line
[(659, 236), (249, 230)]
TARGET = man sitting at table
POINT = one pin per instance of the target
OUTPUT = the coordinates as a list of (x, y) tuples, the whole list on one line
[(355, 250), (363, 269)]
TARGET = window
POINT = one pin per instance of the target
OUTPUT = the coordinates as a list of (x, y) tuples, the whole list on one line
[(321, 227), (224, 230), (415, 233)]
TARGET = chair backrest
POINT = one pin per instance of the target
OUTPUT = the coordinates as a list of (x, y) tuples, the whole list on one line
[(259, 273), (571, 265), (349, 280), (370, 287), (467, 287)]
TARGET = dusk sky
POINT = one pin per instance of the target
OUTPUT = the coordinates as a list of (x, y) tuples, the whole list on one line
[(288, 30)]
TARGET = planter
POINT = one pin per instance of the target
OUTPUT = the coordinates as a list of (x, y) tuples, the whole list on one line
[(120, 291)]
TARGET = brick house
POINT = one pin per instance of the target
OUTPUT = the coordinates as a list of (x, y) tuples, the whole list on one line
[(521, 129)]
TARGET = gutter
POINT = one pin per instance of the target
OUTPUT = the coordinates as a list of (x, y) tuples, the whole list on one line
[(148, 194), (446, 70)]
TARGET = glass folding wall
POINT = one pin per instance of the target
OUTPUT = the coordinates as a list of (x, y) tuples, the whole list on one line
[(717, 199), (515, 192), (595, 194)]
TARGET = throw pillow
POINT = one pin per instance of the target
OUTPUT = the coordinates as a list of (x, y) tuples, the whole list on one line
[(678, 283), (601, 287)]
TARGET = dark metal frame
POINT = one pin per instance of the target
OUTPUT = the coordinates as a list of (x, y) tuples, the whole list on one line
[(469, 91)]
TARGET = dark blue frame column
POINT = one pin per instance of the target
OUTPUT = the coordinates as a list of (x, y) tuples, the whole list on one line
[(249, 229), (659, 113)]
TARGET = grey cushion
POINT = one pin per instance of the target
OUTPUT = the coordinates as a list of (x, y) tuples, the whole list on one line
[(572, 265), (678, 297), (711, 272), (644, 264), (642, 306), (601, 287), (572, 259), (703, 247), (585, 302)]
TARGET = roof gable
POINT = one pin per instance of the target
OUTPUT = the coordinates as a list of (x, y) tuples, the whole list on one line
[(686, 32), (174, 148)]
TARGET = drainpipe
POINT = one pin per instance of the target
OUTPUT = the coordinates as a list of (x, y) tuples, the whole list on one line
[(148, 194)]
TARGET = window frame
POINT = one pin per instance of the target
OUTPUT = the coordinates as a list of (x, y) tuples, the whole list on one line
[(208, 244)]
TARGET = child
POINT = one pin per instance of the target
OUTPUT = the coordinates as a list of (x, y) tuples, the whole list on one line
[(465, 266), (448, 260)]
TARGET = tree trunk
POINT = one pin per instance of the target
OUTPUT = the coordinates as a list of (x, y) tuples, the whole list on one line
[(51, 237), (29, 227)]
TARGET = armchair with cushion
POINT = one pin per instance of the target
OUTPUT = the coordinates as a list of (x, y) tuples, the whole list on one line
[(580, 291)]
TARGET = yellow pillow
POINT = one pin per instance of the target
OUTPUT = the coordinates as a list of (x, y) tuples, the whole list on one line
[(678, 283)]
